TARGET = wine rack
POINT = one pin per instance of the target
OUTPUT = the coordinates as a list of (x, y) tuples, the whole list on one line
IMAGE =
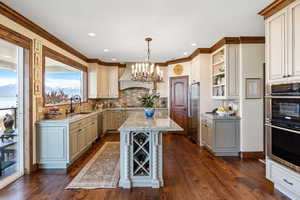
[(141, 154)]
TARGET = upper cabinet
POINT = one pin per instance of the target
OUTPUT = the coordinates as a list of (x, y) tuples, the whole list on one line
[(113, 82), (103, 81), (283, 44), (225, 72)]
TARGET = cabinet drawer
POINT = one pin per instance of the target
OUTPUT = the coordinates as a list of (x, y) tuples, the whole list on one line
[(283, 177), (75, 125)]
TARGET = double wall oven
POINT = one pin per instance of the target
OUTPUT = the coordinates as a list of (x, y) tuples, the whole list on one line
[(283, 124)]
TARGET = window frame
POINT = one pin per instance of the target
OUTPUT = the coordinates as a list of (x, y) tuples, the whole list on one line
[(47, 52)]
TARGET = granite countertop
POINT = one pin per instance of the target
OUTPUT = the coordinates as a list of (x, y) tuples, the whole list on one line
[(139, 122), (215, 116), (76, 117)]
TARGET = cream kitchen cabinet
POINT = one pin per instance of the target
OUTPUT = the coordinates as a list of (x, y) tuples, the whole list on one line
[(283, 45), (61, 142), (225, 72), (221, 135), (103, 81), (113, 82)]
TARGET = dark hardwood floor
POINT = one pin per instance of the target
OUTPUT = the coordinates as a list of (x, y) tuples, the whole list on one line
[(190, 173)]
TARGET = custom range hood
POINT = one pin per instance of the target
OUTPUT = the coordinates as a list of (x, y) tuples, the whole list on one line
[(127, 83)]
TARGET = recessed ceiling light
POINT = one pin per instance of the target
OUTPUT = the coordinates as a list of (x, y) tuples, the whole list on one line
[(105, 50), (194, 44), (185, 53), (113, 59), (92, 34)]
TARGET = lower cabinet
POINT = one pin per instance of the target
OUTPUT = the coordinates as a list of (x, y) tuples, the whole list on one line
[(59, 142), (221, 136), (285, 180), (112, 119)]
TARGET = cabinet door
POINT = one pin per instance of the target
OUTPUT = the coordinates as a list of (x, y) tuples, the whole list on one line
[(81, 140), (203, 133), (210, 136), (294, 40), (113, 83), (100, 125), (103, 74), (232, 71), (73, 145), (94, 131), (92, 78), (276, 46)]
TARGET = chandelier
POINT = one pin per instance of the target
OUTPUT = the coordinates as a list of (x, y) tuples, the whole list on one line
[(146, 71)]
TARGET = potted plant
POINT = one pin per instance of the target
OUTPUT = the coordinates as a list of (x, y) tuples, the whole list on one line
[(148, 101)]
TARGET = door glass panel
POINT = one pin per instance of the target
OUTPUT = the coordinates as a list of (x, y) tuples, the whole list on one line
[(11, 112)]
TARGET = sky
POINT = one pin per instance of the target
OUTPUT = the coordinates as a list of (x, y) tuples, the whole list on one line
[(54, 80), (63, 80), (8, 77)]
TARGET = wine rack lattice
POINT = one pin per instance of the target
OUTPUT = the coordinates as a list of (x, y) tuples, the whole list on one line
[(141, 154)]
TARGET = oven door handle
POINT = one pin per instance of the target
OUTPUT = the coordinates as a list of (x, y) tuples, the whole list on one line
[(284, 129)]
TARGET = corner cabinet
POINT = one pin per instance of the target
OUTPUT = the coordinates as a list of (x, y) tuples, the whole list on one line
[(225, 72), (103, 81), (283, 45), (60, 143)]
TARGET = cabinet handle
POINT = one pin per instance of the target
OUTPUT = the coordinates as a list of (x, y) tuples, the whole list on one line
[(290, 183), (79, 130), (284, 76), (288, 76)]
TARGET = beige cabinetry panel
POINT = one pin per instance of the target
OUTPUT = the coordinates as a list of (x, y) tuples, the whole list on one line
[(103, 81), (276, 46), (60, 143), (113, 82), (283, 45), (294, 39)]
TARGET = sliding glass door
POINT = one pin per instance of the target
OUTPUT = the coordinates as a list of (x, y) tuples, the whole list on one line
[(11, 112)]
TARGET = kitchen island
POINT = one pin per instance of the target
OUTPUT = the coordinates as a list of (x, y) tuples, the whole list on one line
[(141, 150)]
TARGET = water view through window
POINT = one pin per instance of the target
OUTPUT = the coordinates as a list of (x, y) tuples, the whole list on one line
[(11, 106), (61, 82)]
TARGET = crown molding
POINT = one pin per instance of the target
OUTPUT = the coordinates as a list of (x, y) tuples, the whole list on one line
[(23, 21), (219, 44), (274, 7), (100, 62)]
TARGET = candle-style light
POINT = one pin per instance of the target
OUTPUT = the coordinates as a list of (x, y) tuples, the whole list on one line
[(146, 71)]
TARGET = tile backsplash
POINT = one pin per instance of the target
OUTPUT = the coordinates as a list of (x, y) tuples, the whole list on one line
[(129, 97)]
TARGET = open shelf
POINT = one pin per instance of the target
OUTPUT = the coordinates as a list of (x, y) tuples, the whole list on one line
[(219, 62), (218, 74)]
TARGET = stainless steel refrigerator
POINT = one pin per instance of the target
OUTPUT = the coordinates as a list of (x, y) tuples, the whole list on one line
[(194, 112)]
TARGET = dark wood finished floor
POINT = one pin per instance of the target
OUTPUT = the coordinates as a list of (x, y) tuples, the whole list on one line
[(190, 173)]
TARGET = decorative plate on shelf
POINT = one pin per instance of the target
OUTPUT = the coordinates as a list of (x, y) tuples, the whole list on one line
[(178, 69)]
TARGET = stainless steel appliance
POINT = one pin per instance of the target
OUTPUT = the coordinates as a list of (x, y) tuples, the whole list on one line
[(194, 112), (283, 124)]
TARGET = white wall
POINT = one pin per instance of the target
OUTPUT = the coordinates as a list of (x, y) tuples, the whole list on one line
[(251, 110)]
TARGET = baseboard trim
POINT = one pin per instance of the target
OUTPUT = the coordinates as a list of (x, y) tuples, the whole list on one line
[(34, 168), (254, 155)]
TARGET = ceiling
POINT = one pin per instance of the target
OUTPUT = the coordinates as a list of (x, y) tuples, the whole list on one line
[(121, 26)]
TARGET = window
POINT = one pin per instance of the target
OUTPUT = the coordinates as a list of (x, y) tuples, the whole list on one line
[(61, 82)]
